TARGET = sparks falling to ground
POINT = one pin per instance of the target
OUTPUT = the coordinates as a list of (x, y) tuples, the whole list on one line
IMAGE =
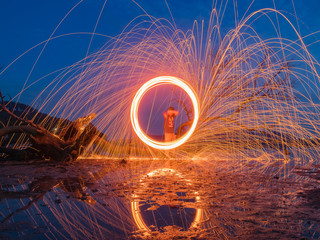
[(246, 156)]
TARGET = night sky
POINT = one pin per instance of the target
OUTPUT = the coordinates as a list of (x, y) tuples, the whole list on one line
[(24, 24)]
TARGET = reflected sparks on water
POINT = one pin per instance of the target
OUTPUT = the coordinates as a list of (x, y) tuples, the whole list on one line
[(93, 199), (165, 198)]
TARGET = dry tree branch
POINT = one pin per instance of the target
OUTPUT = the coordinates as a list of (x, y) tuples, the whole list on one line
[(4, 108)]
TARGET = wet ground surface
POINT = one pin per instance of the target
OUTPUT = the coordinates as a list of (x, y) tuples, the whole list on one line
[(157, 199)]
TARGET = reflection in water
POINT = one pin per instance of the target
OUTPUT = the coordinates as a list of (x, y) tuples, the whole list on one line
[(165, 199), (36, 190), (152, 200), (69, 202), (81, 202)]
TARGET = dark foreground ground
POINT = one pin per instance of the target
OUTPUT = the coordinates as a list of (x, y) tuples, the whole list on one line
[(158, 199)]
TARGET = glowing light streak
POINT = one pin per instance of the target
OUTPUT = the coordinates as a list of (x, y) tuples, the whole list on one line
[(135, 107), (136, 199)]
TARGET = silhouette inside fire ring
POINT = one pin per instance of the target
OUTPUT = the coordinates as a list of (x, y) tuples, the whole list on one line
[(168, 125)]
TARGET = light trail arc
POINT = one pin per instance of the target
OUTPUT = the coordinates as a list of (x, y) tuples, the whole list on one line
[(155, 82)]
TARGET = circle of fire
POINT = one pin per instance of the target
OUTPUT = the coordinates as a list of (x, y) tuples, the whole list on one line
[(135, 106)]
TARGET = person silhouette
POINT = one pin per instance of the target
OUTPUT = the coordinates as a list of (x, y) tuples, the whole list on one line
[(168, 125)]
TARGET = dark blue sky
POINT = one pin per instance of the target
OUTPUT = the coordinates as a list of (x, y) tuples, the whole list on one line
[(27, 23)]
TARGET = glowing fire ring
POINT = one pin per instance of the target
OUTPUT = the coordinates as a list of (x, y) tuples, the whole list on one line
[(135, 106)]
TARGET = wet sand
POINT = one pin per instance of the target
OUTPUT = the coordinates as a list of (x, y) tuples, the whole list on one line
[(104, 199)]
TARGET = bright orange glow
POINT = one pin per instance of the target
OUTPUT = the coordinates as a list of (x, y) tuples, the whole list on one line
[(136, 199), (135, 106), (137, 215)]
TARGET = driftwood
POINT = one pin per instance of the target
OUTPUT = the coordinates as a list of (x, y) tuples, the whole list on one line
[(45, 145), (66, 146)]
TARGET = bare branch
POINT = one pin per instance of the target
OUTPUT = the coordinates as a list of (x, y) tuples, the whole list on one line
[(18, 129), (4, 108)]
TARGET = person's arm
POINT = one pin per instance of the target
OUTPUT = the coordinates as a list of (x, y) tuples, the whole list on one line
[(164, 114), (173, 112)]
